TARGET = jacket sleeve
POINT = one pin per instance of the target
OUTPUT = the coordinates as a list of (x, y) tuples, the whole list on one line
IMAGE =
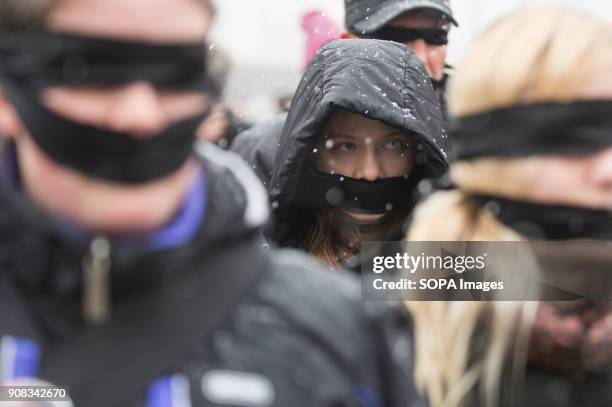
[(394, 344), (257, 146)]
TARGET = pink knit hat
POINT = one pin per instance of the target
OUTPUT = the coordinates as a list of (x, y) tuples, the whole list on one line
[(319, 29)]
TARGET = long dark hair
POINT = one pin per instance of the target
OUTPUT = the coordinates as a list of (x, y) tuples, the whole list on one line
[(334, 238)]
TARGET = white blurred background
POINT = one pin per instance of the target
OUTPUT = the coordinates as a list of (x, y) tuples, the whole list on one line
[(265, 42)]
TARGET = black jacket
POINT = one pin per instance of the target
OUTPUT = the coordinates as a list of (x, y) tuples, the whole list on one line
[(257, 146), (440, 89), (300, 335), (380, 80), (586, 389)]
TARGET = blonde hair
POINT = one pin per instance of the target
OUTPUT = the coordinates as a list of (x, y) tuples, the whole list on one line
[(540, 54), (445, 371), (25, 13)]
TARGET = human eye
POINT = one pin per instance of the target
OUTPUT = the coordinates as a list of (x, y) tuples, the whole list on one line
[(344, 146), (395, 145)]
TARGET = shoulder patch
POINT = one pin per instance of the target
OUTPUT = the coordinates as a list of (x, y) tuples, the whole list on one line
[(219, 386)]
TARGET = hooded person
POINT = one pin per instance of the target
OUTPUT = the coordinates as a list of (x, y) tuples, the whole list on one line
[(533, 103), (363, 130), (421, 25), (133, 272)]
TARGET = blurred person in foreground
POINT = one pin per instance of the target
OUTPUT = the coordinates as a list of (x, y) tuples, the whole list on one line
[(533, 100), (132, 268), (364, 129), (421, 25)]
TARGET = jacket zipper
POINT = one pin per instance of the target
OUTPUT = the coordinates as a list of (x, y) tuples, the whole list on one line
[(96, 282)]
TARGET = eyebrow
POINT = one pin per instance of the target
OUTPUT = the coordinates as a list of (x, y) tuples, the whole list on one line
[(396, 133), (334, 135), (350, 136)]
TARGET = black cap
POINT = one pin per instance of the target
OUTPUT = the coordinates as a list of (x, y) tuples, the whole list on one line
[(367, 16)]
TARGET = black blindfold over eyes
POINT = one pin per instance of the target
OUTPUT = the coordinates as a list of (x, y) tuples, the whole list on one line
[(546, 128), (432, 36), (43, 58)]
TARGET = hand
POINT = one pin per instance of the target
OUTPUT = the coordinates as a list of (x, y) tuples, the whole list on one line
[(214, 127)]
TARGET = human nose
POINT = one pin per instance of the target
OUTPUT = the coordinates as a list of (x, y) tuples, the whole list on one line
[(369, 168), (138, 110), (601, 170), (420, 47)]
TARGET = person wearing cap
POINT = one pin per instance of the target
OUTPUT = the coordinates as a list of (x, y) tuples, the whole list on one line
[(421, 25), (132, 268)]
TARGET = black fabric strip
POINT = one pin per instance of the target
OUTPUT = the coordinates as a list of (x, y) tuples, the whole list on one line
[(45, 58), (575, 128), (432, 36), (551, 222), (319, 188), (31, 60), (102, 153)]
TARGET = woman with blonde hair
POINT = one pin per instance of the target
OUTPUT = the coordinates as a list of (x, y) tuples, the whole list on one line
[(533, 102)]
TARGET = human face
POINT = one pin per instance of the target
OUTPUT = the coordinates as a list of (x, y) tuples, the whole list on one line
[(138, 109), (575, 181), (579, 180), (362, 148), (432, 56), (584, 181)]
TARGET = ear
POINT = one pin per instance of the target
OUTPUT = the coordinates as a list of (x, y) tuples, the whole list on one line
[(345, 35), (10, 124)]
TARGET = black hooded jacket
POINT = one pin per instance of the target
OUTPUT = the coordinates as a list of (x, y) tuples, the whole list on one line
[(440, 89), (257, 146), (280, 332), (380, 80)]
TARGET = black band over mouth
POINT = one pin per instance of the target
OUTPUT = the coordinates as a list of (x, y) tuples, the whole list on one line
[(550, 222), (101, 153), (318, 188), (33, 60)]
